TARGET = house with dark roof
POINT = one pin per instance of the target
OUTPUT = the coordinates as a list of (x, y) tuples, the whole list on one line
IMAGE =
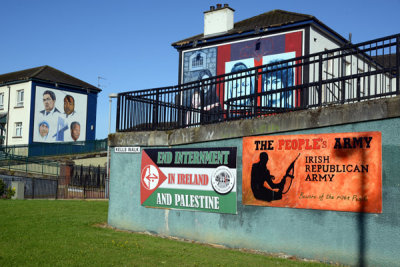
[(276, 34), (226, 47), (46, 105)]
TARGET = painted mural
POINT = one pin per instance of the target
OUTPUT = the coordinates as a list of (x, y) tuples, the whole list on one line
[(239, 56), (336, 171), (278, 76), (198, 66), (237, 88), (59, 116), (200, 179)]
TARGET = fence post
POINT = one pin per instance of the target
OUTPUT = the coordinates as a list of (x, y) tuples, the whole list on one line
[(320, 80), (84, 186), (118, 114), (201, 103), (255, 104), (343, 74), (155, 109), (57, 187)]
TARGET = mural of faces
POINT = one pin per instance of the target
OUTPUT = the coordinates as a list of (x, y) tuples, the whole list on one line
[(43, 129), (203, 75), (235, 58), (49, 100), (75, 130), (69, 104), (55, 110), (239, 87), (278, 76)]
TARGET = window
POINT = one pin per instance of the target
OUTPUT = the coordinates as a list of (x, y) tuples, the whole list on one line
[(1, 100), (18, 129), (197, 61), (20, 98)]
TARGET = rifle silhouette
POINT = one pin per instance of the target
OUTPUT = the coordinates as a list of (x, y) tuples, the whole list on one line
[(290, 173)]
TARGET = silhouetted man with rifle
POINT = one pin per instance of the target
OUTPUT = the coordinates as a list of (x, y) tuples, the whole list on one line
[(262, 182)]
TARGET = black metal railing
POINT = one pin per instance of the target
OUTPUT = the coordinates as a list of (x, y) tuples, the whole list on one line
[(81, 182), (49, 149), (352, 73)]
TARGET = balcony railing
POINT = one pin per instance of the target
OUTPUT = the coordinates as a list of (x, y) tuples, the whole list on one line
[(352, 73)]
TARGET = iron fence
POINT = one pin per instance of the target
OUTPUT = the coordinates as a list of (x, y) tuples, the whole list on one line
[(83, 182), (28, 165), (348, 74), (48, 149)]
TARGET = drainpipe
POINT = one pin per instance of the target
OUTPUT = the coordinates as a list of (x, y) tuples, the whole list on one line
[(8, 115)]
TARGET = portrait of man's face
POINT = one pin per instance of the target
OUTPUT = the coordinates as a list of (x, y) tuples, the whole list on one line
[(206, 85), (48, 102), (75, 131), (239, 85), (43, 130), (273, 82), (69, 105), (278, 76)]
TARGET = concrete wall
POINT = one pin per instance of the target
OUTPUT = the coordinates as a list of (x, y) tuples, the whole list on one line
[(346, 237)]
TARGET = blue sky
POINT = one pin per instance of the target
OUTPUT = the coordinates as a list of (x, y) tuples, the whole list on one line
[(129, 42)]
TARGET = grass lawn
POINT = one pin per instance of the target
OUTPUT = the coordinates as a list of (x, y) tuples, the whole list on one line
[(63, 233)]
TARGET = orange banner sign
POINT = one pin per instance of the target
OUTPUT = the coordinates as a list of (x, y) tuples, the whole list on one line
[(338, 171)]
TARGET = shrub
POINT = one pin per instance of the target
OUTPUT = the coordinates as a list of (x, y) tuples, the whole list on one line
[(2, 187), (6, 193)]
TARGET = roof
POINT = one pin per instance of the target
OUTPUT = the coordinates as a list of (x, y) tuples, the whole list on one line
[(262, 22), (387, 61), (45, 74)]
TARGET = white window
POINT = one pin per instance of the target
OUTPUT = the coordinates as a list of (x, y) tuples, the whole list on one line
[(20, 98), (1, 100), (18, 129)]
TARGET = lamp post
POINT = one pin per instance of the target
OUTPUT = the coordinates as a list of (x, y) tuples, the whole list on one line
[(111, 96)]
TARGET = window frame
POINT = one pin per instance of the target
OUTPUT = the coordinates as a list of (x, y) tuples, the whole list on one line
[(18, 129), (2, 100), (20, 100)]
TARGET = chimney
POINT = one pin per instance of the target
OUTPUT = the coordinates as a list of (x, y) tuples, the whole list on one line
[(218, 20)]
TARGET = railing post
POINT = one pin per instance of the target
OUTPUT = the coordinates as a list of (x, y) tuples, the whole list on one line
[(118, 113), (398, 64), (84, 186), (343, 91), (57, 187), (255, 100), (358, 89), (202, 111), (320, 80), (155, 109)]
